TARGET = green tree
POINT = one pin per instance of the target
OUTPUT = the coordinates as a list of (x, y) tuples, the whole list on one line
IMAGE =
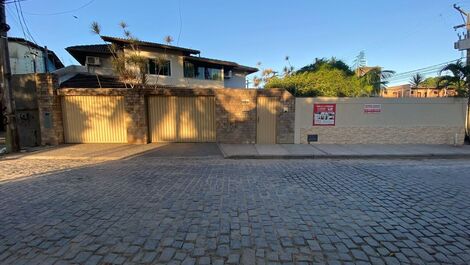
[(458, 77), (332, 63), (131, 68), (416, 80), (323, 81), (377, 79)]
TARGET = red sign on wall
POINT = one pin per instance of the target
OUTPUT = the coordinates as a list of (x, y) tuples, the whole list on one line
[(324, 114)]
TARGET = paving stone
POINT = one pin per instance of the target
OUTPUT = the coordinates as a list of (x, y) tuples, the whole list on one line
[(264, 211), (233, 259), (167, 254)]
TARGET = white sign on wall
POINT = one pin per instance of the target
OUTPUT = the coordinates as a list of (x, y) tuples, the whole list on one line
[(372, 108)]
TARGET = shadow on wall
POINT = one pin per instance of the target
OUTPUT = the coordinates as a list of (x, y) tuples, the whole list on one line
[(27, 110), (236, 111), (182, 118), (94, 119)]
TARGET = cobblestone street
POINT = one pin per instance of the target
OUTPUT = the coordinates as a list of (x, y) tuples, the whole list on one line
[(214, 211)]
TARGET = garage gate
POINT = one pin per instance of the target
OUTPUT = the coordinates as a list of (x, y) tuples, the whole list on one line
[(94, 119), (182, 119)]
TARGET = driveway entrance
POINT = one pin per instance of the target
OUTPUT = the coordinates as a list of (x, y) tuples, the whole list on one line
[(184, 150), (181, 119)]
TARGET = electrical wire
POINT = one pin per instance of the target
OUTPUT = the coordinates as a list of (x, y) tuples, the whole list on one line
[(20, 22), (24, 22), (424, 69), (181, 23), (61, 12)]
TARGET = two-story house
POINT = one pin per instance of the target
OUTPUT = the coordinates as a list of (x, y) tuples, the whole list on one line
[(167, 65)]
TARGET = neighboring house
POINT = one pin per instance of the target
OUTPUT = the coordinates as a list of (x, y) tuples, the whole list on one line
[(168, 65), (27, 57), (406, 91)]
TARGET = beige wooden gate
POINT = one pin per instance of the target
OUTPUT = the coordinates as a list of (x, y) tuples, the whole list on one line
[(94, 119), (182, 119), (266, 115)]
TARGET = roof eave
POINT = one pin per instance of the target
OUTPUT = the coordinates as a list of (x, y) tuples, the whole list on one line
[(150, 44)]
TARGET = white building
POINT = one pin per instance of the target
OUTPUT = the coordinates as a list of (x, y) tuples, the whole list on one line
[(27, 57), (167, 65)]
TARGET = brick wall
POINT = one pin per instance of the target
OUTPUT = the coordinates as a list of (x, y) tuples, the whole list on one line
[(235, 114), (136, 117), (50, 110), (235, 111), (385, 135), (285, 121)]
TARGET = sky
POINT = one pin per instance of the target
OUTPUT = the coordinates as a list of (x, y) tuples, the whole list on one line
[(399, 35)]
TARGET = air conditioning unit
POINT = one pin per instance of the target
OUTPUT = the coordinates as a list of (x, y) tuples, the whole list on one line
[(92, 60)]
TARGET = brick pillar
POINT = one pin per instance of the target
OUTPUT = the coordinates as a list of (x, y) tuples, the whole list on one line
[(286, 120), (235, 112), (50, 109), (136, 117)]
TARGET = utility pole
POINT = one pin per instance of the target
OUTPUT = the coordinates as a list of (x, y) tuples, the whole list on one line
[(12, 138), (463, 44)]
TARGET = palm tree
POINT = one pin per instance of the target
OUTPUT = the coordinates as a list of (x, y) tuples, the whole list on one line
[(459, 77), (377, 78), (416, 80)]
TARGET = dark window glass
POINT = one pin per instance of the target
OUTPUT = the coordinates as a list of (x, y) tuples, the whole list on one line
[(159, 67), (193, 70), (189, 70)]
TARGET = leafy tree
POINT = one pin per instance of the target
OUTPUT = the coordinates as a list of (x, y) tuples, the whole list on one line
[(360, 60), (288, 69), (131, 68), (332, 63), (458, 78), (266, 75), (377, 79), (324, 81), (416, 80)]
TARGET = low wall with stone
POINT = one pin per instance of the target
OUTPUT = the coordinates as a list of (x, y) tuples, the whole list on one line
[(235, 112), (381, 121)]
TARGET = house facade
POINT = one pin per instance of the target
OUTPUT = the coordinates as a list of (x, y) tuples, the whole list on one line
[(167, 65), (27, 57), (405, 91)]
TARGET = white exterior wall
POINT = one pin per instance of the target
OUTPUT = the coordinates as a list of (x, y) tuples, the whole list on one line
[(401, 121), (22, 58), (238, 80), (177, 78), (105, 67)]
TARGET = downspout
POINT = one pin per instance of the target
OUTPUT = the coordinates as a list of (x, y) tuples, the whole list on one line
[(46, 66)]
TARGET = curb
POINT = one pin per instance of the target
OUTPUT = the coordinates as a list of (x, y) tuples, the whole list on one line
[(416, 156)]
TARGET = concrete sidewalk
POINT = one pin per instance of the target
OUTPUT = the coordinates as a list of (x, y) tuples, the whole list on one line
[(86, 151), (343, 151)]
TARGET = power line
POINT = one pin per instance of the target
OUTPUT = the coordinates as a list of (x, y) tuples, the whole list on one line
[(181, 23), (424, 69), (20, 21), (14, 1), (62, 12), (24, 21)]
